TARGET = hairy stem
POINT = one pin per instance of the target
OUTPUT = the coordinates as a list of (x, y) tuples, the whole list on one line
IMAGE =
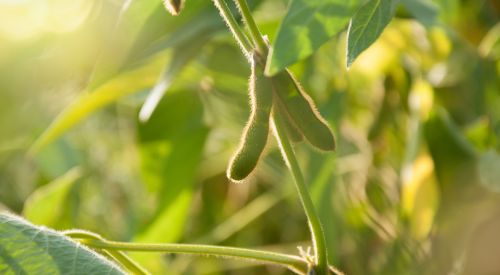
[(259, 42), (318, 236), (291, 262), (235, 29), (119, 256)]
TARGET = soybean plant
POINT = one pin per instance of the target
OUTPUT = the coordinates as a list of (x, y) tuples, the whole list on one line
[(282, 101), (279, 105)]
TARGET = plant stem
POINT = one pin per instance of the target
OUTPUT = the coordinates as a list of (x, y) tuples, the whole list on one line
[(235, 29), (294, 263), (318, 237), (119, 256), (252, 26)]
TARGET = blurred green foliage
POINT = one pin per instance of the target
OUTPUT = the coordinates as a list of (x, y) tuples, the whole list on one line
[(412, 189)]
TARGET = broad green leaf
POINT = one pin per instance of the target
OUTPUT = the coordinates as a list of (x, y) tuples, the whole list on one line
[(307, 25), (46, 205), (424, 11), (489, 172), (367, 25), (91, 101), (28, 249)]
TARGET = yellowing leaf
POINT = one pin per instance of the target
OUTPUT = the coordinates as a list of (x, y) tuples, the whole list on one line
[(421, 98), (420, 196)]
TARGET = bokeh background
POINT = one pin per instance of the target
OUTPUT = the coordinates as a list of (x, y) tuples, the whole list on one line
[(412, 189)]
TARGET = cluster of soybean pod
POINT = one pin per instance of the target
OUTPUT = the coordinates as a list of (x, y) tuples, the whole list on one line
[(277, 102), (283, 96), (280, 94)]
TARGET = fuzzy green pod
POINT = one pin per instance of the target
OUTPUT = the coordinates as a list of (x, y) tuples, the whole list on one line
[(303, 112), (173, 6), (291, 129), (254, 138)]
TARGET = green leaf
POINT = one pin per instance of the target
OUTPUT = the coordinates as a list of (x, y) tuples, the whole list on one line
[(131, 20), (424, 11), (367, 25), (46, 204), (91, 101), (453, 156), (140, 25), (28, 249), (56, 159), (489, 173), (202, 24), (171, 146), (182, 55), (307, 25)]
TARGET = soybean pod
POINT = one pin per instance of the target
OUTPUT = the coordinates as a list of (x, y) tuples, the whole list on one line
[(174, 6), (291, 129), (254, 138), (302, 111)]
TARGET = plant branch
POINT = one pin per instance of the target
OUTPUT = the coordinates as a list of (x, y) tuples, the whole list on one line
[(291, 262), (318, 237), (252, 26), (235, 29), (119, 256)]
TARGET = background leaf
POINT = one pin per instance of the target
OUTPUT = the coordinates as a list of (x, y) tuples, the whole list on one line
[(132, 18), (27, 249), (488, 170), (126, 65), (424, 11), (171, 144), (181, 56), (46, 205), (367, 25), (91, 101)]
